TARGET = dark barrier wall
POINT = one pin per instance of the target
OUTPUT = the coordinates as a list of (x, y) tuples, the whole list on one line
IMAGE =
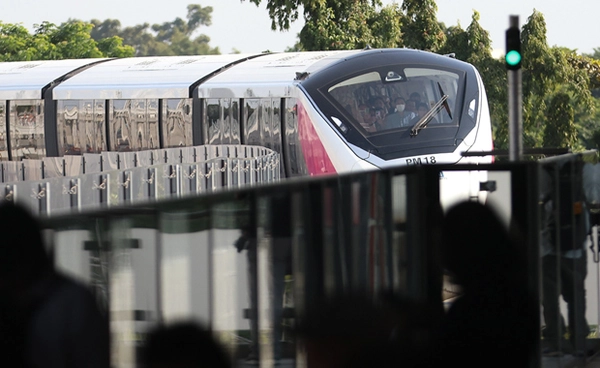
[(274, 270)]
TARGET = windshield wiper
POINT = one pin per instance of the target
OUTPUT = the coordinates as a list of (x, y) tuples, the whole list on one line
[(425, 119)]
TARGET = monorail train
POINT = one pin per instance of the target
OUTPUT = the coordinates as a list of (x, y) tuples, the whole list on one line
[(325, 112)]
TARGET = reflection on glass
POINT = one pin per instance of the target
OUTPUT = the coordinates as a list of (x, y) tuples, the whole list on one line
[(276, 128), (120, 125), (232, 285), (251, 123), (235, 122), (27, 129), (177, 122), (564, 244), (266, 122), (214, 121), (3, 141), (185, 265), (226, 125), (270, 265), (80, 126), (294, 155)]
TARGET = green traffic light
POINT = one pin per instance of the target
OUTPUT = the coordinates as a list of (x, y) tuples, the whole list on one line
[(513, 57)]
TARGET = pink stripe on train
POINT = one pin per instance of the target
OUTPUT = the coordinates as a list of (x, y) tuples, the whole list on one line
[(317, 159)]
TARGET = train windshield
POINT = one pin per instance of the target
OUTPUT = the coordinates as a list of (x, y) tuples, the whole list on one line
[(410, 99)]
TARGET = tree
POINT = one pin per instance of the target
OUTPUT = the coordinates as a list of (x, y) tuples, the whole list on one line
[(357, 27), (549, 78), (422, 30), (168, 38), (339, 24), (564, 133), (71, 40)]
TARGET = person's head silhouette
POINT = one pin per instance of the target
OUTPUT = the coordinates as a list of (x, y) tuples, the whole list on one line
[(476, 245), (23, 259)]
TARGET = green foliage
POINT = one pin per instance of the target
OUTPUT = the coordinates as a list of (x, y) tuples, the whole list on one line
[(564, 133), (71, 40), (168, 38), (422, 30), (360, 26)]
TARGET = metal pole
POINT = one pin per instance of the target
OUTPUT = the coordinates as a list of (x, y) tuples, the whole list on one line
[(515, 108)]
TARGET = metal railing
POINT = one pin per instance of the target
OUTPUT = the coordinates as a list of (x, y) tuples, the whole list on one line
[(58, 185)]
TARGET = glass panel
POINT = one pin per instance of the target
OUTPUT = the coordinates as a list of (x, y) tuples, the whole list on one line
[(226, 125), (274, 276), (120, 125), (139, 125), (214, 121), (276, 125), (295, 163), (233, 255), (177, 122), (251, 123), (152, 140), (3, 142), (27, 129), (378, 105), (266, 123), (81, 126), (565, 262), (96, 131), (235, 122)]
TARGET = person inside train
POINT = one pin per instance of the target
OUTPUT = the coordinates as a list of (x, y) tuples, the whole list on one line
[(422, 109), (411, 106), (378, 111), (366, 120), (401, 117), (415, 96)]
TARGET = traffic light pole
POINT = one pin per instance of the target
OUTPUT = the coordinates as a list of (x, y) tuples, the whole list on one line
[(515, 116), (515, 107)]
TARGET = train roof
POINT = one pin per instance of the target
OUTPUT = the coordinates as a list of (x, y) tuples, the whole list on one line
[(274, 72), (25, 80), (144, 77)]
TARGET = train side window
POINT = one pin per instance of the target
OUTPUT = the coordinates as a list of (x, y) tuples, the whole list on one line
[(294, 158), (27, 129), (266, 123), (98, 130), (139, 125), (120, 125), (80, 126), (251, 122), (276, 125), (152, 141), (226, 121), (3, 142), (67, 121), (177, 122), (214, 121), (235, 122)]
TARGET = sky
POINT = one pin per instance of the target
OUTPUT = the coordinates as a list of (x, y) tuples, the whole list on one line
[(240, 25)]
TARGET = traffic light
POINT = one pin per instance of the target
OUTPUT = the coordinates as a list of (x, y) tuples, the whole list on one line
[(513, 49)]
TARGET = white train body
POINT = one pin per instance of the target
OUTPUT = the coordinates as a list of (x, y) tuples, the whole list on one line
[(315, 108)]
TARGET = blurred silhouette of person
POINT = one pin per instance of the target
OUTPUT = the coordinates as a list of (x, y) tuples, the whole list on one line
[(492, 323), (564, 259), (355, 331), (183, 345), (46, 318)]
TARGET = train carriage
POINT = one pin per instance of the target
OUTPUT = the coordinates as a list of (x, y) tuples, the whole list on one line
[(312, 107)]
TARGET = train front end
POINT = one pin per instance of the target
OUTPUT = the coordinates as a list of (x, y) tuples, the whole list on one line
[(396, 107)]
